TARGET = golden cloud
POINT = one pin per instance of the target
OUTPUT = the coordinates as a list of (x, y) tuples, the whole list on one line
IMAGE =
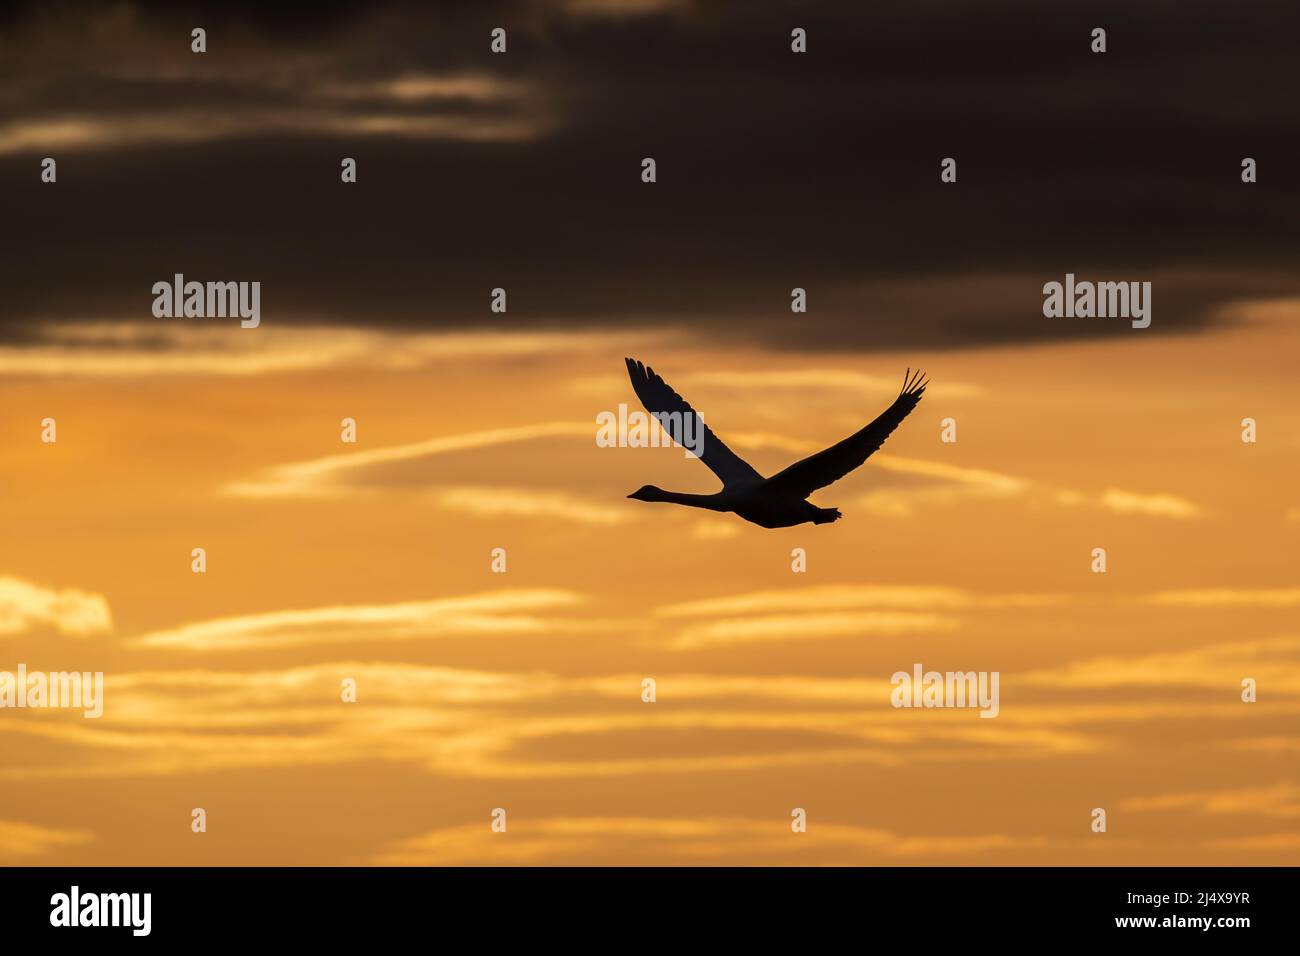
[(493, 612), (24, 606), (21, 842)]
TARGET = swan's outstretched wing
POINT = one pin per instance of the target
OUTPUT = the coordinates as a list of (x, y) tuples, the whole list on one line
[(660, 400), (819, 470)]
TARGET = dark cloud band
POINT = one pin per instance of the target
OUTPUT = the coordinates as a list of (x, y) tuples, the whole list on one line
[(775, 170)]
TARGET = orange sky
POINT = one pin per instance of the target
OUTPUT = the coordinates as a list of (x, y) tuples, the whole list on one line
[(522, 690)]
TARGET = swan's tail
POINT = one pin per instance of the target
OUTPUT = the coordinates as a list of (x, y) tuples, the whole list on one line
[(827, 515)]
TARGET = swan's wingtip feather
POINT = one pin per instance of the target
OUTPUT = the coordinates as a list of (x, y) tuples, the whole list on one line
[(915, 383)]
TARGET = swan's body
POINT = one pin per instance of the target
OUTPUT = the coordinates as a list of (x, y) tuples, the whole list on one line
[(748, 501), (780, 501)]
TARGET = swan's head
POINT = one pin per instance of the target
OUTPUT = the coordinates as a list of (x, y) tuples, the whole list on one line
[(648, 493)]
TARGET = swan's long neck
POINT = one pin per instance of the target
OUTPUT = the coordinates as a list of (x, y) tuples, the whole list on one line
[(693, 501)]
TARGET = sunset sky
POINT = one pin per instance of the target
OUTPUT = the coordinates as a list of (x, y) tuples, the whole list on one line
[(522, 690)]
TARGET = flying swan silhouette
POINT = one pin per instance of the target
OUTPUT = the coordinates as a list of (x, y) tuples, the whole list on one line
[(782, 500)]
